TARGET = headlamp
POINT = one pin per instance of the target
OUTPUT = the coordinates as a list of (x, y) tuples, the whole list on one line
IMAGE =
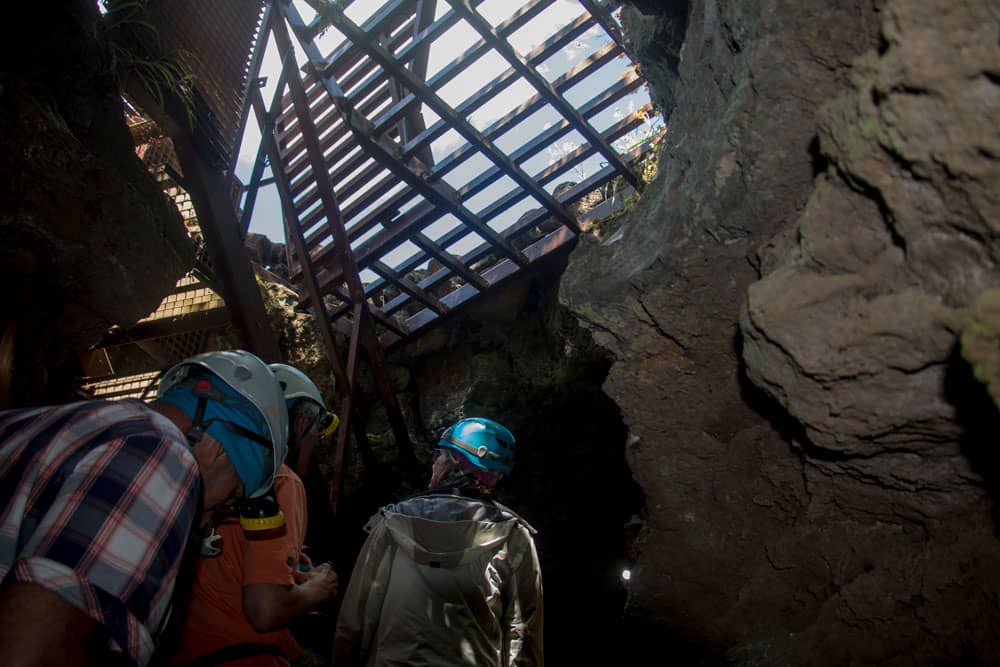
[(328, 423), (261, 514)]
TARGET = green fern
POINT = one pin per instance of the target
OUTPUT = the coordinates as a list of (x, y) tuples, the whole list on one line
[(130, 36)]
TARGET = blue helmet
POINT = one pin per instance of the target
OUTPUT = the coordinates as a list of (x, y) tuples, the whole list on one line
[(485, 443)]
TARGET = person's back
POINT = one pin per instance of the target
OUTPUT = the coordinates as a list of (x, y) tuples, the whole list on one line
[(448, 577), (63, 469), (458, 574)]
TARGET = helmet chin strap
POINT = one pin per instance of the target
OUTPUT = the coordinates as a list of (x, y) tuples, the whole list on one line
[(204, 390)]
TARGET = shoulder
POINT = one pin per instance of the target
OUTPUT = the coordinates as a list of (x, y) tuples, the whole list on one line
[(68, 432), (521, 522), (287, 482), (121, 419), (287, 476), (290, 491), (145, 429), (71, 419)]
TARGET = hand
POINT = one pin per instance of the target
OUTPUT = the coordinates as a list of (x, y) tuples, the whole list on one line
[(321, 580)]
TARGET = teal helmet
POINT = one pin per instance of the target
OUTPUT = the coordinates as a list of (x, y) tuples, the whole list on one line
[(485, 443)]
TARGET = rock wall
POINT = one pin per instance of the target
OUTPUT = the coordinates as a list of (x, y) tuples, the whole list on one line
[(837, 509), (81, 221)]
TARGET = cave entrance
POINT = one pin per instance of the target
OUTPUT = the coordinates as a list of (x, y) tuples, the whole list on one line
[(523, 360)]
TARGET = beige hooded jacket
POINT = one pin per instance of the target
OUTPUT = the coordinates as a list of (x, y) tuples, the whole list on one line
[(445, 580)]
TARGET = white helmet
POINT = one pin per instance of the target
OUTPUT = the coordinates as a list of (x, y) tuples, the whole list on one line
[(296, 384), (253, 380)]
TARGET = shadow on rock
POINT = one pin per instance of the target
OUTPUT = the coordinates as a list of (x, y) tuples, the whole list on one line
[(980, 421)]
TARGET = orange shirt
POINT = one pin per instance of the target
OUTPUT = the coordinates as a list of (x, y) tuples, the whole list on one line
[(215, 616)]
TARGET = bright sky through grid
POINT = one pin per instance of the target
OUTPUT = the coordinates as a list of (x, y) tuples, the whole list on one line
[(267, 212)]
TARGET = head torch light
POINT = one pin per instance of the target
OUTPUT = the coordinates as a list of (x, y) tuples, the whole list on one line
[(261, 514), (328, 423)]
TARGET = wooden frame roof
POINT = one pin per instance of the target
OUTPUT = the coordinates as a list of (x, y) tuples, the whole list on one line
[(352, 159), (389, 235)]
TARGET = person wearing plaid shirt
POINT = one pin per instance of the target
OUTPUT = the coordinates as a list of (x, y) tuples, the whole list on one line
[(97, 500)]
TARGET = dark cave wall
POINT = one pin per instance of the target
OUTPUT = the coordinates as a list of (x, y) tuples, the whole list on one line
[(87, 238), (838, 514)]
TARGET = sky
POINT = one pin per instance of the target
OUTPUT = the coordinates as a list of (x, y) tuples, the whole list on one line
[(267, 212)]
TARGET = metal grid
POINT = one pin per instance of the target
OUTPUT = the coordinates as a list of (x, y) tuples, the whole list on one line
[(182, 346), (426, 237), (212, 40), (178, 327), (186, 302), (141, 385)]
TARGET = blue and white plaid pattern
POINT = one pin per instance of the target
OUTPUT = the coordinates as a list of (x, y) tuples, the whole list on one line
[(96, 502)]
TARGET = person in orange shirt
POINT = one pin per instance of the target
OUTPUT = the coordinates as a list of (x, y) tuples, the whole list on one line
[(248, 587)]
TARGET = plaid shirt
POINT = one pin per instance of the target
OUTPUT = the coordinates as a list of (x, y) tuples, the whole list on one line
[(96, 502)]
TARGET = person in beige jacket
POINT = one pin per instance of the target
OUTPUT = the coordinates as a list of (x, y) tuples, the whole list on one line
[(449, 576)]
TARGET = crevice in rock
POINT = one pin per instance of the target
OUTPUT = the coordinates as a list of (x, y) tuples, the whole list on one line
[(820, 162), (980, 421), (663, 332), (873, 193), (763, 403)]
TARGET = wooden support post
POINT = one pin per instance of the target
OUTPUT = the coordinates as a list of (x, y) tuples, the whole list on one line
[(294, 233), (348, 268), (209, 192), (348, 407), (382, 385)]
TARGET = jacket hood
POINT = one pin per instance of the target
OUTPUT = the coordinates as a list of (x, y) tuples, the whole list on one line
[(448, 531)]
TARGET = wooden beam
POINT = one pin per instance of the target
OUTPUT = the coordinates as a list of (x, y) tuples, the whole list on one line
[(348, 408), (410, 287), (166, 326), (348, 268), (292, 230), (442, 109)]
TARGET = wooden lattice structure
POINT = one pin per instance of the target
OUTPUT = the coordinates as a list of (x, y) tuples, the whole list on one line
[(182, 323), (389, 234), (349, 147)]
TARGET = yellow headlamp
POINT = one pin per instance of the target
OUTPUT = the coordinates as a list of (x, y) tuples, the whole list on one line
[(331, 423), (260, 514)]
